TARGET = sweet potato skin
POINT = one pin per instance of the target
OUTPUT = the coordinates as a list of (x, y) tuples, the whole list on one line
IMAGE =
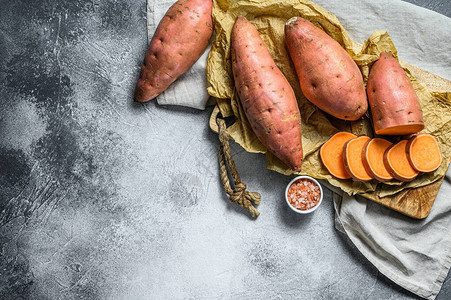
[(267, 98), (180, 39), (395, 106), (328, 76), (411, 159), (392, 170)]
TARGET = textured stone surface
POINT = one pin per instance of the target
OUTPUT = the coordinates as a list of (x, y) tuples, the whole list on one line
[(103, 198), (440, 6)]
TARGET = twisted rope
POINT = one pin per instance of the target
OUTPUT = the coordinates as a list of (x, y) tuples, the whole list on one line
[(238, 195)]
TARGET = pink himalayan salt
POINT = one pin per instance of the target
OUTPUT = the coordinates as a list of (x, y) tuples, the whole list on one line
[(304, 194)]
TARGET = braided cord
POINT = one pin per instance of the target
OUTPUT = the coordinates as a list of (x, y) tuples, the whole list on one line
[(238, 195)]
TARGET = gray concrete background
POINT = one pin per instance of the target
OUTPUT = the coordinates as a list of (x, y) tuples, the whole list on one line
[(101, 198), (440, 6)]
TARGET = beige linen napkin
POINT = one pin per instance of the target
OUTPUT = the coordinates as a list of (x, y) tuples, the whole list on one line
[(415, 254)]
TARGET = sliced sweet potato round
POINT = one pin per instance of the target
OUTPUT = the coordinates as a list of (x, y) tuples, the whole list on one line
[(423, 153), (397, 164), (352, 158), (331, 153), (373, 159)]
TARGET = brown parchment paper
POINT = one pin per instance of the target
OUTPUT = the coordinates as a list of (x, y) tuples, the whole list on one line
[(270, 17)]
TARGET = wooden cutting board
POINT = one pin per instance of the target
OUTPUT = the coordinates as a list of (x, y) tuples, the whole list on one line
[(416, 202)]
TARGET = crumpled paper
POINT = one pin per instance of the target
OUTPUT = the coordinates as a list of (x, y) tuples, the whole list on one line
[(269, 17)]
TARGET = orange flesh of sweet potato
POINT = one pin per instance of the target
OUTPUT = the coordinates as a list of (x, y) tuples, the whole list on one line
[(395, 107), (179, 40), (352, 157), (397, 164), (423, 153), (267, 98), (328, 76), (331, 154), (373, 159)]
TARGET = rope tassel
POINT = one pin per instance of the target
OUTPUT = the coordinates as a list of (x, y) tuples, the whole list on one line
[(238, 195)]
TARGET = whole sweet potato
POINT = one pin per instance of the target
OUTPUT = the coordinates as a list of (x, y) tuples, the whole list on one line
[(395, 107), (266, 96), (328, 76), (180, 39)]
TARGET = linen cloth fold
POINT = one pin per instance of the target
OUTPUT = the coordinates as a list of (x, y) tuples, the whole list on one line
[(415, 254)]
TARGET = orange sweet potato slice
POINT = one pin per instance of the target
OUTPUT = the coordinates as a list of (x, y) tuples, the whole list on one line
[(397, 164), (331, 153), (352, 158), (423, 153), (373, 159)]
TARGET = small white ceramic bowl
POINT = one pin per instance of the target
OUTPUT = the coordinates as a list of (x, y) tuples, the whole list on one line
[(307, 211)]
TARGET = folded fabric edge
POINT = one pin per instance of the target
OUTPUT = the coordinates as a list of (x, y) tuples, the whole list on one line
[(337, 222), (427, 294)]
